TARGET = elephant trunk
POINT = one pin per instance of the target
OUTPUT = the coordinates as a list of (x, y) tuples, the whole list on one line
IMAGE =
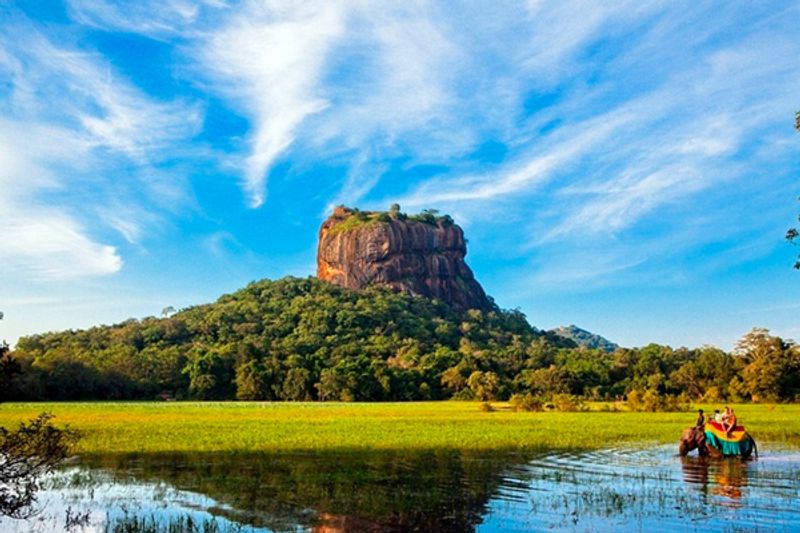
[(683, 449)]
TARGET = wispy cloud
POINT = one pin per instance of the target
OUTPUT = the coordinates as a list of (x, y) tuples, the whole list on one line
[(59, 172), (648, 151), (41, 241), (591, 144), (153, 18), (268, 58)]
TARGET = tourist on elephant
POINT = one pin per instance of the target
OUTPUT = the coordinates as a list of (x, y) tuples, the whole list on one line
[(701, 419), (730, 422)]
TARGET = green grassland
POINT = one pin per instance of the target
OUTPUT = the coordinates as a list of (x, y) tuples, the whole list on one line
[(119, 427)]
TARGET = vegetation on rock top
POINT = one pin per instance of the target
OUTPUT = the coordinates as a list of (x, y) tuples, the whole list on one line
[(357, 218)]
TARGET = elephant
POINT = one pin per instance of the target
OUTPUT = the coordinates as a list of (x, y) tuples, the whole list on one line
[(695, 438)]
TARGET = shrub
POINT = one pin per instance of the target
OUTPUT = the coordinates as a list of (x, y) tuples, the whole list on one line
[(526, 402), (568, 402), (712, 395), (674, 403), (651, 401)]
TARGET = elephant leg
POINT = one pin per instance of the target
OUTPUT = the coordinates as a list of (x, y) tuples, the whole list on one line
[(713, 452)]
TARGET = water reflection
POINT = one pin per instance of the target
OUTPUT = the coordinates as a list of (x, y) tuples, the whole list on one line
[(724, 477), (614, 489), (359, 491)]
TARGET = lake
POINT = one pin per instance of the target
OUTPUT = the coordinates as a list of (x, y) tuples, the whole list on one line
[(613, 489)]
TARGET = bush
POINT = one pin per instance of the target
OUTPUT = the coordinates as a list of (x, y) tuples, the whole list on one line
[(486, 407), (526, 402), (677, 403), (568, 402), (652, 402), (712, 395)]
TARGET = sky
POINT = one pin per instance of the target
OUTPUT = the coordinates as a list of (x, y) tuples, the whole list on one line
[(629, 167)]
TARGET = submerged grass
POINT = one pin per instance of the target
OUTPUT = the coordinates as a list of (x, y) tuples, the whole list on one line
[(123, 427)]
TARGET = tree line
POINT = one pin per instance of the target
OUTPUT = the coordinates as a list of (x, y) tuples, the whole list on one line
[(305, 339)]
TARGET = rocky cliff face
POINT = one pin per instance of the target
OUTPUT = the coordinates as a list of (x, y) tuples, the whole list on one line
[(417, 257)]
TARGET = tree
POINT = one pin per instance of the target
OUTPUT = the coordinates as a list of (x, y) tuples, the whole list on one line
[(9, 367), (771, 366), (27, 454), (545, 381), (332, 386), (484, 385), (295, 385), (454, 378), (253, 381), (210, 376)]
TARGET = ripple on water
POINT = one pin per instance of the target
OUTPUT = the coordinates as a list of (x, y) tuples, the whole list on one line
[(651, 489), (616, 489)]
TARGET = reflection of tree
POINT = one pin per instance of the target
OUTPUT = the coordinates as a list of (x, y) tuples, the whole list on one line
[(721, 477), (364, 491), (26, 455)]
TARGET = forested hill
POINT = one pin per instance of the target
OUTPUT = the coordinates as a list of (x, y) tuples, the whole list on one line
[(584, 338), (291, 339), (306, 339)]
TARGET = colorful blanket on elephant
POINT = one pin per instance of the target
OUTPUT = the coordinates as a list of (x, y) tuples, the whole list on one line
[(734, 443)]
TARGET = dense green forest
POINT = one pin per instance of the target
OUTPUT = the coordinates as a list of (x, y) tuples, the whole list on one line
[(305, 339)]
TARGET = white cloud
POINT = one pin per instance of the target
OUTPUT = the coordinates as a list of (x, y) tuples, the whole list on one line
[(70, 122), (46, 244), (149, 17), (565, 148), (560, 31), (268, 58), (42, 242), (96, 104), (610, 113), (372, 81)]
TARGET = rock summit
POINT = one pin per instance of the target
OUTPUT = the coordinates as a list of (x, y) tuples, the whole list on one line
[(419, 255)]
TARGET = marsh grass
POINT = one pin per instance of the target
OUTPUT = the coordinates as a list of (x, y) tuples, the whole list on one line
[(152, 524), (120, 427)]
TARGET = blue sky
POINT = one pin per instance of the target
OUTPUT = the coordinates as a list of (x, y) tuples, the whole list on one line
[(630, 167)]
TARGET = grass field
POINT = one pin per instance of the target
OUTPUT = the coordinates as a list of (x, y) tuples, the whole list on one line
[(120, 427)]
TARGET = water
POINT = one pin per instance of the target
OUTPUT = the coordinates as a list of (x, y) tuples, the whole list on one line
[(610, 490)]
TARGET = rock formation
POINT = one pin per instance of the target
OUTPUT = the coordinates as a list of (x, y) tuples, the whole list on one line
[(421, 255)]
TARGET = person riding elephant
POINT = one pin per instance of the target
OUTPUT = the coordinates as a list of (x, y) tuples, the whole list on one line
[(695, 438)]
